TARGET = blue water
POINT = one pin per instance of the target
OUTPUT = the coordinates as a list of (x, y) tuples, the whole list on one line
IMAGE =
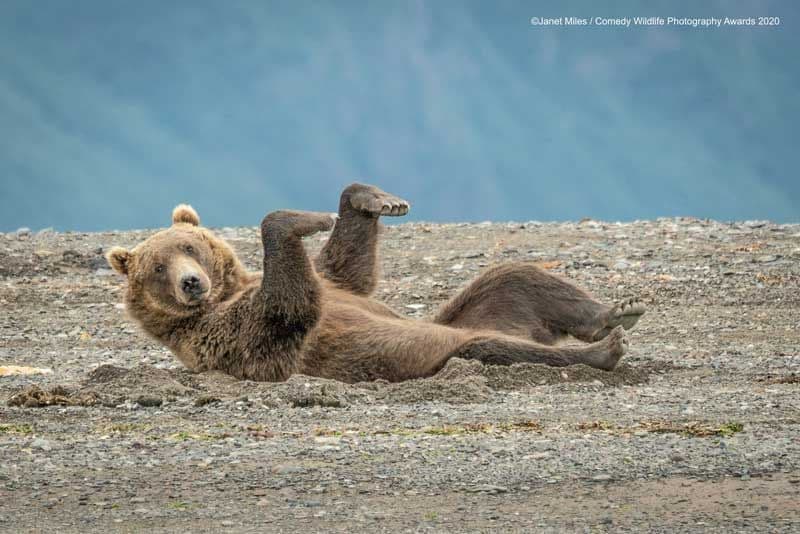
[(112, 112)]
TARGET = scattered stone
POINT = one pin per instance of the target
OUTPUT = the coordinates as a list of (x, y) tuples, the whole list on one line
[(766, 259), (41, 444), (205, 399), (288, 470), (474, 254), (488, 488), (149, 401)]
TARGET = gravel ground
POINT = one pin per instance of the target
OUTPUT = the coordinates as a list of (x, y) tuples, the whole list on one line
[(697, 429)]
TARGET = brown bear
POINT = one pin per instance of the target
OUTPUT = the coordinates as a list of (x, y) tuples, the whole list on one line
[(187, 289)]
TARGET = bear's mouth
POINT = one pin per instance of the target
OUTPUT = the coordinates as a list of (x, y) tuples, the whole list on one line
[(194, 298)]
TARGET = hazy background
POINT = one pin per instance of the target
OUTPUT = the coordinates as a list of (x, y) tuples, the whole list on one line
[(113, 111)]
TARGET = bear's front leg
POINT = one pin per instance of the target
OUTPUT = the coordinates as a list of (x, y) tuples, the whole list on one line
[(290, 289), (350, 257), (262, 334)]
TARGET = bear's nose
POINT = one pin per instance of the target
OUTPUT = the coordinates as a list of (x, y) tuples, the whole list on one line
[(190, 283)]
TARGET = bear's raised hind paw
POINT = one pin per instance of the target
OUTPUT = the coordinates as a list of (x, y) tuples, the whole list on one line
[(625, 313), (376, 202)]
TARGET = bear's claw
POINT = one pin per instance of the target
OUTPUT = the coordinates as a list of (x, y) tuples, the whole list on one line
[(625, 313), (376, 202)]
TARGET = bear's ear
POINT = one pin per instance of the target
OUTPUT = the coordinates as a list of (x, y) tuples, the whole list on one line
[(118, 259), (184, 213)]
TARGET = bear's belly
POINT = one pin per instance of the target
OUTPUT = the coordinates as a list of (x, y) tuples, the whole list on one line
[(354, 344)]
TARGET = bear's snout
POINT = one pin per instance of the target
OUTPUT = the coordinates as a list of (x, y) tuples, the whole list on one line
[(192, 286)]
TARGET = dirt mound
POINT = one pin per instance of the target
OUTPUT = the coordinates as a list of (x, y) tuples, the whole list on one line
[(106, 373), (464, 382), (459, 382), (145, 384), (108, 385), (302, 391), (299, 390), (36, 397), (521, 376)]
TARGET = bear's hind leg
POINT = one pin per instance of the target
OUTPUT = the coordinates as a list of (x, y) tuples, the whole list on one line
[(350, 257), (504, 350), (522, 300)]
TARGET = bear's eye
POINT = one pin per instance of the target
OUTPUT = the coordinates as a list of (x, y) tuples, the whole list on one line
[(159, 268), (189, 249)]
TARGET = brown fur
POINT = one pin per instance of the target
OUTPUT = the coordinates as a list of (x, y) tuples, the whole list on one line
[(188, 290)]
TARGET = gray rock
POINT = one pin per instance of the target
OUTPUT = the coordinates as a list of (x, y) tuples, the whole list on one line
[(288, 469), (149, 401), (488, 488), (41, 444), (621, 265)]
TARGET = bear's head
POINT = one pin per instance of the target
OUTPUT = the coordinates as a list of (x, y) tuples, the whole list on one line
[(177, 272)]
